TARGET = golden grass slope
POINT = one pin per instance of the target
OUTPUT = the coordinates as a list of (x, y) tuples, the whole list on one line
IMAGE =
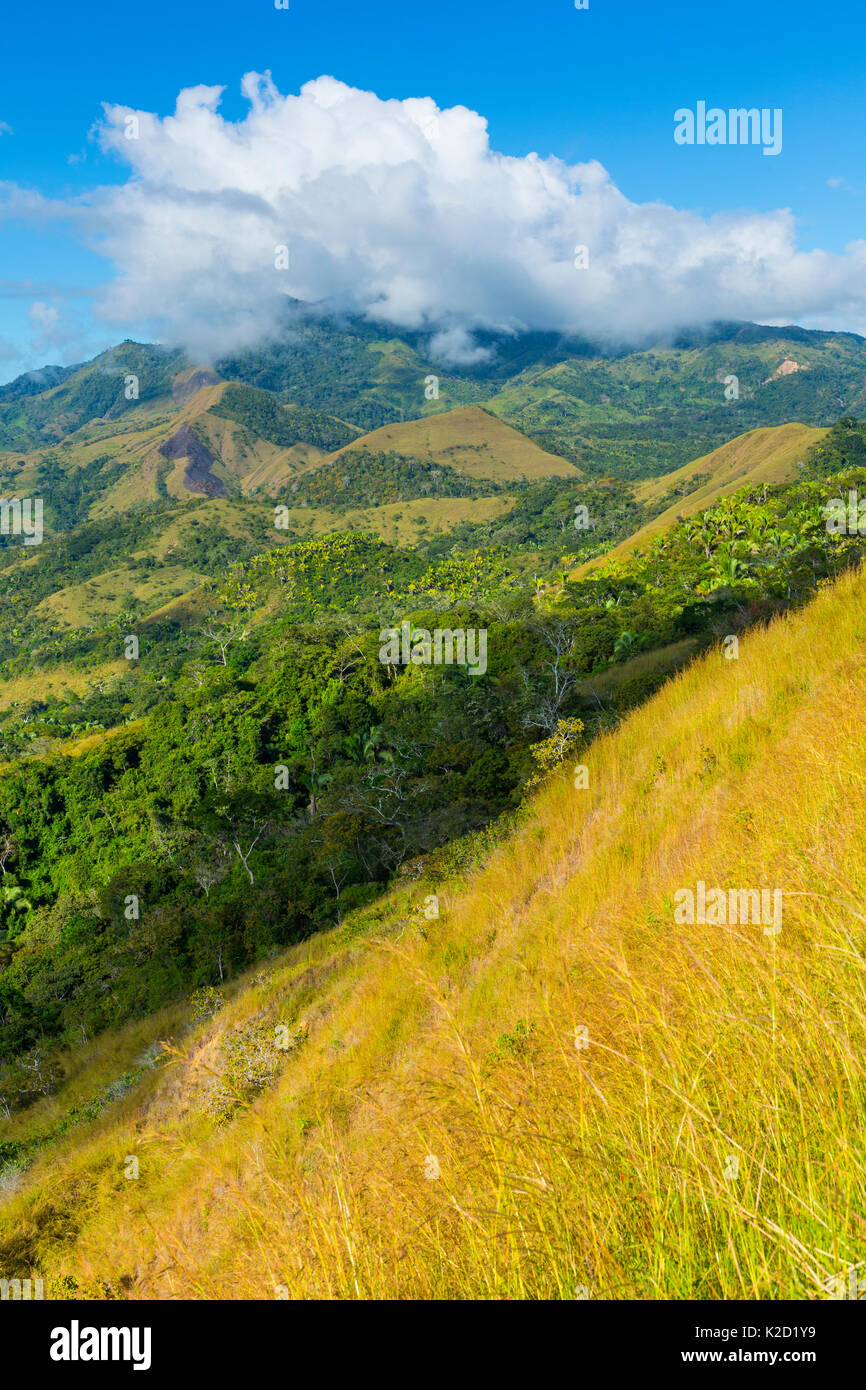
[(552, 1089), (102, 596), (242, 457), (400, 523), (468, 439), (766, 455), (42, 685)]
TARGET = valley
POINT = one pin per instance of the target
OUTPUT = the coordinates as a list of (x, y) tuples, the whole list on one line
[(280, 901)]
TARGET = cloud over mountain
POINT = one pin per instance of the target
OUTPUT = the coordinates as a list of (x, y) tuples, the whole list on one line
[(402, 211)]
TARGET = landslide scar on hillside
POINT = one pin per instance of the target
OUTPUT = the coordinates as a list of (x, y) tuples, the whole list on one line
[(197, 476)]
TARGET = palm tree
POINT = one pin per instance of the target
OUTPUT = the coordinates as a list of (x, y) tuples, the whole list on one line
[(372, 745), (626, 645), (313, 782), (755, 530), (727, 567), (704, 533), (729, 522), (15, 909)]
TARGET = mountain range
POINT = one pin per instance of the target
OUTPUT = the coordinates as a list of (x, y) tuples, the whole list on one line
[(328, 973)]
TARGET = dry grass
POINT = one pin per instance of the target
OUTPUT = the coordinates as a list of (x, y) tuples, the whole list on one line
[(45, 684), (400, 523), (766, 455), (468, 439), (707, 1142)]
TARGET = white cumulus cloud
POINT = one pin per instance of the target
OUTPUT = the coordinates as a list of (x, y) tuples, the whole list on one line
[(403, 212)]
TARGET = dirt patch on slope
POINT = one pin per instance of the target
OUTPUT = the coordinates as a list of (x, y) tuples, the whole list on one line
[(197, 476)]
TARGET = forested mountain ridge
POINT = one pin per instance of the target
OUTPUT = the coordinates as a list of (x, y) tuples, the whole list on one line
[(608, 407)]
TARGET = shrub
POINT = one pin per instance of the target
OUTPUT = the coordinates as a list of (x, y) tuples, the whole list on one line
[(206, 1002), (252, 1061)]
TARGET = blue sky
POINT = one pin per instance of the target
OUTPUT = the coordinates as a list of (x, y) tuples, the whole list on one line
[(597, 84)]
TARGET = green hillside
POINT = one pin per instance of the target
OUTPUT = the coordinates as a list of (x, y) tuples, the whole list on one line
[(261, 705), (93, 438), (260, 413), (633, 414), (519, 1054)]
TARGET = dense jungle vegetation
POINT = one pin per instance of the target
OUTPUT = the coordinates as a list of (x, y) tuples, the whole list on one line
[(259, 771)]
